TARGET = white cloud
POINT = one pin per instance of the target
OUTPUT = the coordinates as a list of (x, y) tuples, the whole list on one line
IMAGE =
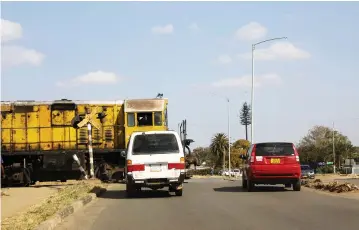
[(224, 59), (95, 78), (193, 26), (13, 56), (279, 50), (246, 81), (167, 29), (10, 30), (251, 31)]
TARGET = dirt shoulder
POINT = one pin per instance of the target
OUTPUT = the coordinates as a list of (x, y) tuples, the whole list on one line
[(349, 195), (24, 208), (330, 177), (14, 200), (334, 185)]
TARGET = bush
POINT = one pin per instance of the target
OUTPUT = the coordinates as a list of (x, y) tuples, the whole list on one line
[(325, 169), (205, 172)]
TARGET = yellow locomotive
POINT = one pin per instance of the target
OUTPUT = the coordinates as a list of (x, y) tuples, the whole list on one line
[(39, 138)]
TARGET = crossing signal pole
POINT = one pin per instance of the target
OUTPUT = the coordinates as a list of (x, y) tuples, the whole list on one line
[(91, 121)]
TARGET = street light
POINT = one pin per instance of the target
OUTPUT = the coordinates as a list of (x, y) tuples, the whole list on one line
[(334, 169), (252, 93), (229, 131), (229, 136)]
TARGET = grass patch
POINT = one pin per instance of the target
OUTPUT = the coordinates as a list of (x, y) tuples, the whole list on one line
[(38, 213)]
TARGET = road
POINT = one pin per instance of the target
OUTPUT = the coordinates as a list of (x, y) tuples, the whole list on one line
[(212, 204)]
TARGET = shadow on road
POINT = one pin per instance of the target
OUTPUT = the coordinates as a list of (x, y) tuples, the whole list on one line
[(257, 189), (147, 194)]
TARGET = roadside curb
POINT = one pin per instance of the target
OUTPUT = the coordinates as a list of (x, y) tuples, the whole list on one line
[(231, 179), (205, 176), (59, 216)]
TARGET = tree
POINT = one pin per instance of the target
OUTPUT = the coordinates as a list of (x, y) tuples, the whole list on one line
[(204, 155), (238, 148), (236, 160), (219, 147), (317, 146), (241, 144), (245, 117)]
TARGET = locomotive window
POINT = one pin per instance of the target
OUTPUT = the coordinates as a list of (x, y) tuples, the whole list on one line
[(130, 119), (62, 107), (158, 118), (144, 119), (23, 108)]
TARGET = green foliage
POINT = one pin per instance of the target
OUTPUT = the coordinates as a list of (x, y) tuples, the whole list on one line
[(245, 117), (245, 114), (325, 169), (219, 148), (205, 172), (239, 147), (217, 154), (205, 155), (317, 146), (241, 144), (236, 161)]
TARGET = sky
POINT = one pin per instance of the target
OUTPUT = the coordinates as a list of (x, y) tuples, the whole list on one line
[(197, 54)]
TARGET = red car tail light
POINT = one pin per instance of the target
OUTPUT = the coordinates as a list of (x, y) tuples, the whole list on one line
[(134, 168), (176, 166), (253, 154), (296, 154)]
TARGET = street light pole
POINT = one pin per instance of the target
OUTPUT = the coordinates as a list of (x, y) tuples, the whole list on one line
[(229, 131), (229, 136), (252, 96), (334, 149), (252, 93)]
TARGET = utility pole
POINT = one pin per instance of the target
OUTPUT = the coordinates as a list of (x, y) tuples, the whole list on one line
[(229, 136), (252, 96), (334, 149)]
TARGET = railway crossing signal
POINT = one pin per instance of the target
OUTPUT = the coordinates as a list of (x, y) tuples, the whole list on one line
[(90, 120)]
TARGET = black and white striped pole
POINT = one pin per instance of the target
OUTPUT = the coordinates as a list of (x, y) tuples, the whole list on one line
[(90, 120), (79, 164), (89, 128)]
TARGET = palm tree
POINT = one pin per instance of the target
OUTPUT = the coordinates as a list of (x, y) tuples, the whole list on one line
[(219, 147)]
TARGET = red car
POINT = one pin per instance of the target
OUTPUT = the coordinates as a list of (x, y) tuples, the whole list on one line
[(272, 163)]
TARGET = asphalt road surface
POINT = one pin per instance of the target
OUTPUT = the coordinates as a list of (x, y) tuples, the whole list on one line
[(215, 204)]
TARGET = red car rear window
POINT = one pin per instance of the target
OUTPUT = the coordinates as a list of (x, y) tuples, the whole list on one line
[(274, 149)]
